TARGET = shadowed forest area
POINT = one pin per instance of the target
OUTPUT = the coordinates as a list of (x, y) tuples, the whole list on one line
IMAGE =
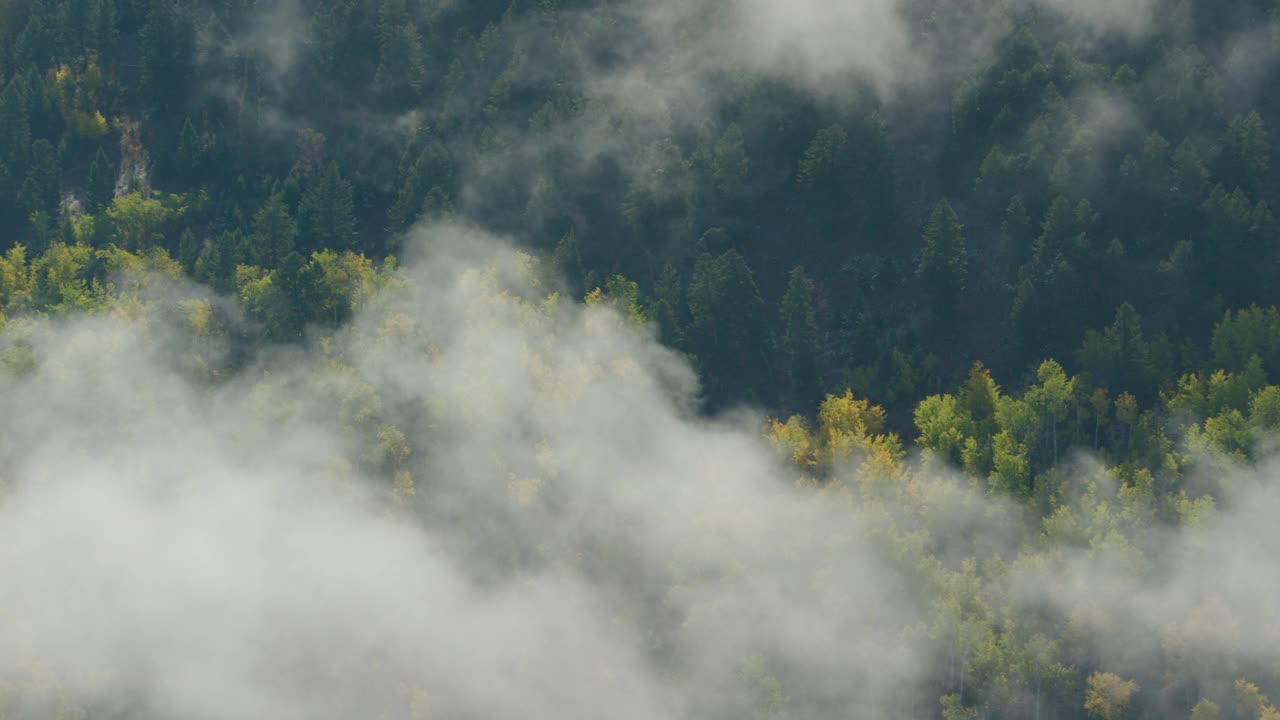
[(844, 358)]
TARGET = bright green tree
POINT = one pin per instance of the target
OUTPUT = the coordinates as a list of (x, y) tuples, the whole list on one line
[(138, 220)]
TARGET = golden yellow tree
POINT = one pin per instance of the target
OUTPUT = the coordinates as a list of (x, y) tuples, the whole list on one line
[(1108, 695)]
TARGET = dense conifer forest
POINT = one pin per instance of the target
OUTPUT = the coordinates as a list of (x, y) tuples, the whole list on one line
[(640, 358)]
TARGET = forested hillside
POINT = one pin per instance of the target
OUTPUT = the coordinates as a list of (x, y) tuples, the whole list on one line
[(1026, 176), (515, 275)]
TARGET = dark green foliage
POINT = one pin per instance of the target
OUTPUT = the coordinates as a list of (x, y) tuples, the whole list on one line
[(47, 35), (730, 165), (427, 181), (1118, 358), (1247, 333), (400, 61), (15, 127), (568, 260), (8, 197), (217, 264), (876, 199), (1247, 155), (188, 251), (190, 155), (102, 182), (1055, 294), (799, 341), (1090, 176), (167, 39), (101, 31), (41, 190), (727, 328), (944, 264), (823, 174), (792, 235), (326, 212), (274, 233), (1238, 252), (668, 309)]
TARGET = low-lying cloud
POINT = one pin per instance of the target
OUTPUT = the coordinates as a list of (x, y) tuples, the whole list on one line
[(478, 502)]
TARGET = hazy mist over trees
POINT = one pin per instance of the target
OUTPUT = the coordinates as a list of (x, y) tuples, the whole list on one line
[(642, 359)]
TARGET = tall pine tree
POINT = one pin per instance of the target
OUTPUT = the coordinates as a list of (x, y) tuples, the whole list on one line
[(274, 233), (800, 334), (943, 262), (168, 54), (15, 128), (102, 182), (326, 212)]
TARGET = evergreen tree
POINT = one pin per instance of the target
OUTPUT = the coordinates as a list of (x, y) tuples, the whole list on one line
[(299, 298), (943, 262), (15, 128), (800, 333), (876, 198), (217, 264), (1248, 152), (168, 54), (102, 183), (274, 233), (188, 251), (101, 31), (727, 329), (1244, 333), (1236, 255), (190, 156), (334, 31), (400, 61), (823, 175), (1188, 186), (568, 261), (8, 198), (1016, 234), (46, 39), (42, 189), (407, 207), (1054, 297), (426, 187), (730, 164), (668, 309), (1117, 358), (326, 212)]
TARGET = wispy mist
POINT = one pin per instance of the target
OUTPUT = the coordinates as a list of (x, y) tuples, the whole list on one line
[(479, 500)]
